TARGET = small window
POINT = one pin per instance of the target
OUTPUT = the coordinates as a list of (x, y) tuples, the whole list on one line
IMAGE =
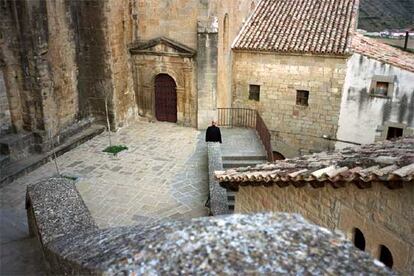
[(386, 256), (302, 97), (359, 239), (381, 89), (225, 32), (278, 156), (394, 132), (254, 92)]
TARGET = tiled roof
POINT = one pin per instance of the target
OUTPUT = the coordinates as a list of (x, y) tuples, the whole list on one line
[(299, 26), (382, 52), (389, 162)]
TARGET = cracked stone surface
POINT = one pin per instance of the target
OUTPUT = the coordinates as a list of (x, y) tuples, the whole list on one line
[(255, 244)]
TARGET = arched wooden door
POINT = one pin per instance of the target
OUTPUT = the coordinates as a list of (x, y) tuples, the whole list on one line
[(165, 98)]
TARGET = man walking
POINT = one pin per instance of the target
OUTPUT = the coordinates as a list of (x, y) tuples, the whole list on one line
[(213, 133)]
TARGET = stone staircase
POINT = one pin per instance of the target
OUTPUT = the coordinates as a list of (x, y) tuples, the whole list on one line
[(18, 153), (241, 148), (237, 161), (15, 147)]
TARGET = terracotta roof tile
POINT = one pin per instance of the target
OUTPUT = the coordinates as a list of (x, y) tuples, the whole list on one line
[(299, 26), (389, 162), (382, 52)]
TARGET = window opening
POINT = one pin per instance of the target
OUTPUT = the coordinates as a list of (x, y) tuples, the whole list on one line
[(225, 32), (278, 156), (302, 97), (254, 92), (394, 132), (359, 239), (386, 256), (381, 88)]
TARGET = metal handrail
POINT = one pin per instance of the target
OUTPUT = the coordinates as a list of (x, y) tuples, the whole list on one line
[(250, 118)]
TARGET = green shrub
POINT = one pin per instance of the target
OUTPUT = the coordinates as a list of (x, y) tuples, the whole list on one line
[(115, 149), (74, 178)]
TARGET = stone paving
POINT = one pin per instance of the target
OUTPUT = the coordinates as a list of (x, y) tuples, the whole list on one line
[(162, 175)]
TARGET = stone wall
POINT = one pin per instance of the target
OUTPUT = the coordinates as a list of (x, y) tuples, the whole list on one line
[(23, 49), (5, 118), (365, 118), (40, 54), (60, 61), (231, 14), (207, 47), (121, 21), (218, 195), (10, 63), (55, 209), (72, 244), (384, 216), (94, 72), (62, 103), (295, 129)]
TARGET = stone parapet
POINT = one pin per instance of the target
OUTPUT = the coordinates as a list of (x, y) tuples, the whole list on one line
[(265, 243), (55, 208), (218, 195)]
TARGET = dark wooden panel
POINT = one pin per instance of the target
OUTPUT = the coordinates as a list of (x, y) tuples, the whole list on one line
[(165, 99)]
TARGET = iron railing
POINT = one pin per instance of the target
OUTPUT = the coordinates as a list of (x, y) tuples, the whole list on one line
[(250, 118), (237, 117)]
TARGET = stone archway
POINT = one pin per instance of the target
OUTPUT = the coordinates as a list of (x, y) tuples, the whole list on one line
[(165, 98)]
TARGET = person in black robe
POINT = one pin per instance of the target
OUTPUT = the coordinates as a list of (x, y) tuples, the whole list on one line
[(213, 133)]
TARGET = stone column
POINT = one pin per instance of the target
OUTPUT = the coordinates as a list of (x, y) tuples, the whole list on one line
[(207, 49)]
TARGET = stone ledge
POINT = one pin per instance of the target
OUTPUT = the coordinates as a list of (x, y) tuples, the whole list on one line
[(15, 170), (55, 209), (218, 195), (264, 243)]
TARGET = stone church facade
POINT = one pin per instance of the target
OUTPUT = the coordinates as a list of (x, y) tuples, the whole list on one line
[(64, 62)]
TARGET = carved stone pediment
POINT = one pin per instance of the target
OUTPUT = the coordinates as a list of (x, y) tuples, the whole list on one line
[(161, 46)]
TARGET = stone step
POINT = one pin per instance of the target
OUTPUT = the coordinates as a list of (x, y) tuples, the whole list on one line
[(245, 157), (16, 169), (17, 146)]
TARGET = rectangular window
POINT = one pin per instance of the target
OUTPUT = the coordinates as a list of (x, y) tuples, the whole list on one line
[(394, 132), (254, 92), (382, 86), (381, 89), (302, 97)]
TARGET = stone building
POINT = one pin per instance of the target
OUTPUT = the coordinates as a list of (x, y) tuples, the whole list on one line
[(63, 63), (298, 65), (378, 96), (313, 76), (60, 60), (366, 192)]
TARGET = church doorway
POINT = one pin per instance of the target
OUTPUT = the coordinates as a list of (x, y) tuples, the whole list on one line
[(165, 98)]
